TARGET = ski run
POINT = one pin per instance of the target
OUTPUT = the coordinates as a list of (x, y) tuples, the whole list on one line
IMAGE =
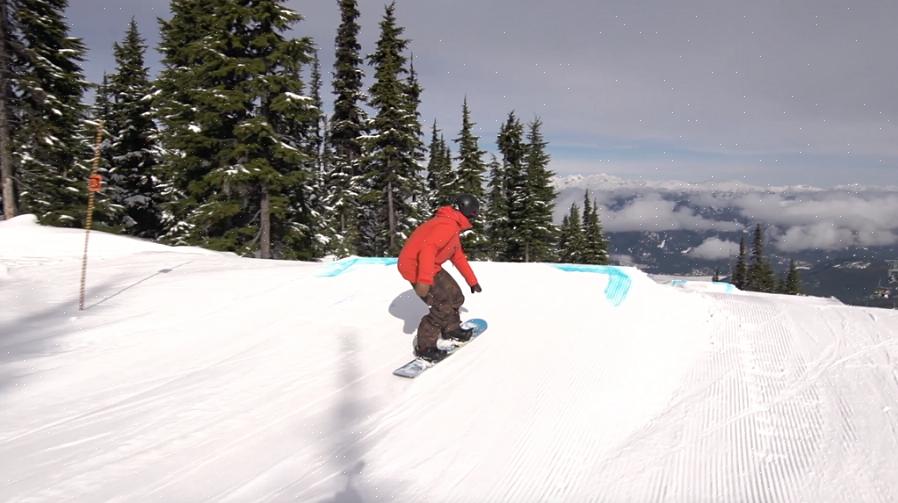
[(201, 376)]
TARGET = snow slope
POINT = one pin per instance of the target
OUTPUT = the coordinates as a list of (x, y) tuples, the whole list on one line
[(200, 376)]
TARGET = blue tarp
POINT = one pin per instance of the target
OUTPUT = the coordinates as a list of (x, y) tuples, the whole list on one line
[(339, 267), (618, 280)]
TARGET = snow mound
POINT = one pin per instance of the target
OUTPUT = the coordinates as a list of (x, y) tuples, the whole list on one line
[(25, 241), (205, 377)]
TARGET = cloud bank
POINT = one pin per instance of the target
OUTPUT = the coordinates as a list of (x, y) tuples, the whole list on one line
[(794, 218)]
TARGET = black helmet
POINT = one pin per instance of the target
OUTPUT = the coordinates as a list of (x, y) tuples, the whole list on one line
[(467, 205)]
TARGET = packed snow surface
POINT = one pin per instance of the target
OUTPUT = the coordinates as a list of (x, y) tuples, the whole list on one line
[(200, 376)]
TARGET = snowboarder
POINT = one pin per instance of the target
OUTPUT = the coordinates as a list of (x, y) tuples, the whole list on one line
[(420, 262)]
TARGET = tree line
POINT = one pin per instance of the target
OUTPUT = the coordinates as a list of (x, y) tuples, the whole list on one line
[(754, 273), (230, 147)]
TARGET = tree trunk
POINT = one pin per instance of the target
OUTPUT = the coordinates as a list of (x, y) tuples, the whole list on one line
[(391, 216), (265, 240), (7, 173)]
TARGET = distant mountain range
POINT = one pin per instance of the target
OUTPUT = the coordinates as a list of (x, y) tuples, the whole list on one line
[(840, 237)]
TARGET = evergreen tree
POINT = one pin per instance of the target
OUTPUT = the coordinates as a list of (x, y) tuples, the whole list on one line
[(182, 104), (511, 145), (439, 170), (348, 120), (596, 251), (497, 231), (347, 125), (235, 118), (537, 229), (469, 180), (740, 271), (110, 218), (134, 153), (793, 280), (321, 226), (316, 136), (48, 146), (573, 246), (393, 184), (470, 172), (760, 277), (418, 201)]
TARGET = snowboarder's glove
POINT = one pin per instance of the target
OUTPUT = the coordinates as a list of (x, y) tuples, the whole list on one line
[(422, 289), (476, 288)]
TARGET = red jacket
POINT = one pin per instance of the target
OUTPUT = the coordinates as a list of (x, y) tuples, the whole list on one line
[(434, 242)]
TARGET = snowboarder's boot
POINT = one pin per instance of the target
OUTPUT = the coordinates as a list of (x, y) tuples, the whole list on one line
[(459, 334), (432, 355)]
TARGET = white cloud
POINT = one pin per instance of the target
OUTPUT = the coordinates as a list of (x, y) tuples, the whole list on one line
[(651, 212), (827, 236), (715, 249)]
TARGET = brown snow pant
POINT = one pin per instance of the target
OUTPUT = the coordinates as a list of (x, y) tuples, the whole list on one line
[(444, 299)]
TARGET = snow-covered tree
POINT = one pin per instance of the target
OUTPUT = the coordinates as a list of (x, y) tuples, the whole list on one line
[(393, 184), (596, 251), (536, 229), (46, 119), (470, 171), (235, 116), (513, 149), (440, 178), (133, 153), (496, 214)]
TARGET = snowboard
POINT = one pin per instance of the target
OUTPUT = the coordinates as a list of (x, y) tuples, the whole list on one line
[(417, 366)]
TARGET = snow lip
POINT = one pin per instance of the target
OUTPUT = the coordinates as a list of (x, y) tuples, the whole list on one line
[(341, 266), (619, 281)]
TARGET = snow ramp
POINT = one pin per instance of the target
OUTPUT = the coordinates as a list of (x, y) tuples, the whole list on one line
[(207, 377)]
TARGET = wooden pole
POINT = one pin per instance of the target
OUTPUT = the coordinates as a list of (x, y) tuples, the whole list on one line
[(93, 186)]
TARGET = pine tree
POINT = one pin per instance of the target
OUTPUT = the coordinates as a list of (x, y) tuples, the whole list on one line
[(48, 145), (740, 271), (393, 182), (110, 217), (235, 117), (316, 137), (469, 178), (182, 97), (348, 120), (793, 280), (347, 125), (439, 170), (511, 145), (496, 217), (596, 251), (537, 229), (134, 153), (572, 241), (760, 277), (419, 204)]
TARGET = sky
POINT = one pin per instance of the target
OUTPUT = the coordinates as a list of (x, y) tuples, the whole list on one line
[(766, 92), (193, 375)]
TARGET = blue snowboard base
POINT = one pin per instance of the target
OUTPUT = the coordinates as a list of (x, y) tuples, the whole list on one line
[(417, 366)]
